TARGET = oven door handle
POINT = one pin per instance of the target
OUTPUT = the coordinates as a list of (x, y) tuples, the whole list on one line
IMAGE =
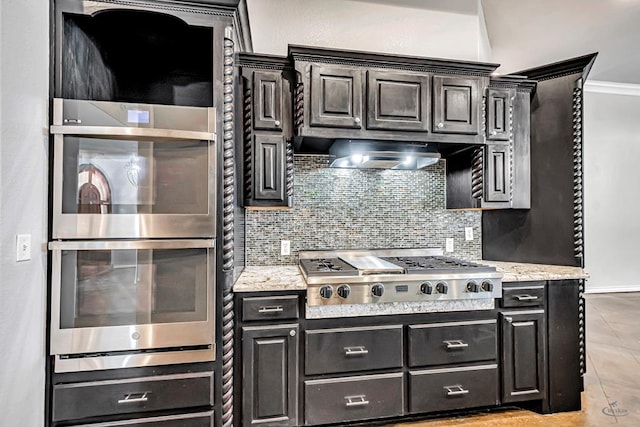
[(132, 133), (87, 245), (526, 297)]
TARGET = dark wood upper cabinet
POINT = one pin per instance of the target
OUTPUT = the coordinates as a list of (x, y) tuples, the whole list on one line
[(455, 105), (499, 113), (497, 183), (267, 151), (397, 101), (363, 95), (267, 100), (336, 96), (269, 168)]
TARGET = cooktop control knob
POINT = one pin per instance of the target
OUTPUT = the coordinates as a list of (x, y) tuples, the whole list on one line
[(442, 288), (344, 291), (472, 286), (377, 289), (426, 288), (326, 292), (487, 286)]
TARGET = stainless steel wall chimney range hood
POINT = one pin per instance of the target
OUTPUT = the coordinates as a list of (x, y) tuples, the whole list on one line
[(370, 154)]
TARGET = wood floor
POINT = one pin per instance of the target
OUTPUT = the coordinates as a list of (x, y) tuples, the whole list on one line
[(612, 381)]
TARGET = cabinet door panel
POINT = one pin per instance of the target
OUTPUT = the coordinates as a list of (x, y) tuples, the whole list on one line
[(267, 93), (455, 105), (499, 102), (498, 173), (336, 97), (524, 360), (397, 101), (269, 158), (270, 375)]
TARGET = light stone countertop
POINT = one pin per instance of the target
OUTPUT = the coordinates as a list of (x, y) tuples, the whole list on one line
[(521, 272), (270, 278), (289, 278)]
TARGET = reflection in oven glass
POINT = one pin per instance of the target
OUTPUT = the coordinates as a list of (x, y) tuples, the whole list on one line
[(133, 287), (135, 177)]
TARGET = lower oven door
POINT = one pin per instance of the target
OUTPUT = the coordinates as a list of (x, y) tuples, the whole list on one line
[(144, 296)]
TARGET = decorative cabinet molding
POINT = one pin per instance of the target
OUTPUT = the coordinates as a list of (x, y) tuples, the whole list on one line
[(267, 151), (499, 113)]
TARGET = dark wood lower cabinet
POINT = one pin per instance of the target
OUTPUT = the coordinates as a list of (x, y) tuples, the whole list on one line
[(344, 371), (270, 375), (524, 372)]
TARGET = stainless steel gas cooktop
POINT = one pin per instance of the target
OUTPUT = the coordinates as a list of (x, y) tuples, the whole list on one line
[(394, 275)]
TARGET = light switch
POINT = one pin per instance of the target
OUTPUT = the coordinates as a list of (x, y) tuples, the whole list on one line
[(23, 247)]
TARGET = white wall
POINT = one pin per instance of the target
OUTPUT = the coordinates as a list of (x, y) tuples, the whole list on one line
[(359, 25), (612, 182), (24, 70)]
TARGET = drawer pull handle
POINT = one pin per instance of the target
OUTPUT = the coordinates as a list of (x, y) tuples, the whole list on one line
[(454, 344), (455, 390), (526, 297), (272, 309), (135, 398), (356, 400), (72, 121), (355, 351)]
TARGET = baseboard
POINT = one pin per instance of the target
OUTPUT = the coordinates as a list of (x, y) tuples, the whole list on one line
[(611, 289)]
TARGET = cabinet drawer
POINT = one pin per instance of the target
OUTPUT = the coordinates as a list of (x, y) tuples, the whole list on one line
[(92, 399), (200, 419), (354, 398), (353, 349), (456, 342), (455, 388), (270, 308), (530, 294)]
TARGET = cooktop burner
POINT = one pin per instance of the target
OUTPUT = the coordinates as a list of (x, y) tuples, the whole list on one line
[(432, 264)]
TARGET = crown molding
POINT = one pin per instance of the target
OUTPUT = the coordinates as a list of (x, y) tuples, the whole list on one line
[(612, 88)]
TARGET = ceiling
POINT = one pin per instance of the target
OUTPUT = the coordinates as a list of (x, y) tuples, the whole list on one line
[(525, 34)]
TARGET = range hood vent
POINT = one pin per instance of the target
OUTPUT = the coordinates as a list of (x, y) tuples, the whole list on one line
[(370, 154)]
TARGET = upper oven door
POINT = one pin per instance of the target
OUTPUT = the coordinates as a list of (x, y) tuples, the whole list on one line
[(133, 171), (128, 295)]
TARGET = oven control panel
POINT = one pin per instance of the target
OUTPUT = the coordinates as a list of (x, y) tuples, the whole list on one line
[(433, 289)]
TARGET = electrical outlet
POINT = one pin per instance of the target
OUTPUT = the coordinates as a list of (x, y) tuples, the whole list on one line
[(23, 247), (285, 247), (449, 244), (468, 233)]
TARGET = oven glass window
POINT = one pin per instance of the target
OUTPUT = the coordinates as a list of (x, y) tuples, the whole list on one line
[(104, 176), (132, 287)]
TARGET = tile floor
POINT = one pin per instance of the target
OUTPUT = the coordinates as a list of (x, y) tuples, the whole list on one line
[(612, 381)]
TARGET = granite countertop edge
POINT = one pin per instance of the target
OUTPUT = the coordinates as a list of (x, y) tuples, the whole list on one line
[(288, 277)]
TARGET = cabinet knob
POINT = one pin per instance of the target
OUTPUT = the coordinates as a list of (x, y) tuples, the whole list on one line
[(357, 120), (292, 333), (493, 132), (508, 319), (277, 123), (440, 125)]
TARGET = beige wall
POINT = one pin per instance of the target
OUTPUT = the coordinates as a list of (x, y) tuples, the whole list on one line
[(24, 71), (359, 25), (611, 180)]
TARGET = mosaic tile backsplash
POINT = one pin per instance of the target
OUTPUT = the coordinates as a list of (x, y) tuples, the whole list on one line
[(360, 209)]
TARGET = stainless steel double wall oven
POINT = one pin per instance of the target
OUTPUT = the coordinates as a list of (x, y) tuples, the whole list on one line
[(133, 234)]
